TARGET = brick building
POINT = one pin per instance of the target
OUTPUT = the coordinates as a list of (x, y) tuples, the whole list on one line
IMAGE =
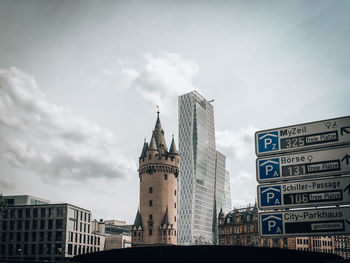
[(240, 227)]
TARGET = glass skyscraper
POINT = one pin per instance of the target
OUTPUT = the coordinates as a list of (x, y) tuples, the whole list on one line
[(198, 164)]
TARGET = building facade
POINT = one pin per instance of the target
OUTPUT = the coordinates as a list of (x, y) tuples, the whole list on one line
[(156, 219), (222, 185), (197, 166), (203, 182), (46, 232), (339, 244), (116, 233), (240, 228)]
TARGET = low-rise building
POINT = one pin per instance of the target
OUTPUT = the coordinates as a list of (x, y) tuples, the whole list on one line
[(117, 233), (45, 231), (339, 245), (240, 227), (342, 245)]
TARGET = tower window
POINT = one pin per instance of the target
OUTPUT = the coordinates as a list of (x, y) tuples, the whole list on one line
[(150, 202), (150, 217), (174, 205), (150, 190), (150, 232), (165, 177), (174, 192)]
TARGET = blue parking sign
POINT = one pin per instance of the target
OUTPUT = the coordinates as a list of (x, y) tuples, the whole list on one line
[(269, 168), (270, 196), (268, 142), (272, 224)]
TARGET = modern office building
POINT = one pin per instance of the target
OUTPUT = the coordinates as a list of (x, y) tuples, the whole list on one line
[(156, 220), (45, 231), (228, 203), (197, 169), (222, 185)]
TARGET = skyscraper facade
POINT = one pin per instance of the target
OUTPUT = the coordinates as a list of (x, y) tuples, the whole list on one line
[(197, 169), (227, 207)]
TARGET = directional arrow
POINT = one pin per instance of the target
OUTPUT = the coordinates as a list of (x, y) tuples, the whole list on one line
[(347, 188), (344, 130), (346, 158)]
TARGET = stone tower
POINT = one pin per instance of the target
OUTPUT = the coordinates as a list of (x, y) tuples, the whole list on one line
[(156, 219)]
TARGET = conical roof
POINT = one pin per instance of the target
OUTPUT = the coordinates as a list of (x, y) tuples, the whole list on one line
[(221, 213), (166, 218), (173, 147), (138, 219), (158, 135), (152, 144), (144, 150)]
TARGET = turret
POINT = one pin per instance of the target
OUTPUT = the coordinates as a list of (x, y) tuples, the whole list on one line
[(156, 221)]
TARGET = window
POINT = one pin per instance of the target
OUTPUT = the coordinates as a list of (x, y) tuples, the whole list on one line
[(12, 213), (58, 236), (150, 190), (50, 212), (32, 251), (4, 225), (165, 177), (33, 236), (70, 249), (43, 212), (26, 224), (59, 211), (174, 192), (150, 217), (49, 236), (41, 236), (150, 203), (35, 212), (35, 224), (174, 205), (150, 232), (20, 213), (41, 249), (42, 224), (19, 225), (59, 223), (50, 224)]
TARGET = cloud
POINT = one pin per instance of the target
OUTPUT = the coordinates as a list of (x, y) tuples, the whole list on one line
[(160, 80), (51, 140), (240, 143), (6, 184)]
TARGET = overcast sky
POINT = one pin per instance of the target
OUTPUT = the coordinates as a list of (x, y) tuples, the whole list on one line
[(80, 81)]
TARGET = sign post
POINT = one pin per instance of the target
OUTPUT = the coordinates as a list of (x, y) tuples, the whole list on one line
[(320, 192), (299, 137), (304, 166), (310, 222)]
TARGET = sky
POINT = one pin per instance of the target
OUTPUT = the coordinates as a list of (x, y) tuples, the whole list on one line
[(80, 81)]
